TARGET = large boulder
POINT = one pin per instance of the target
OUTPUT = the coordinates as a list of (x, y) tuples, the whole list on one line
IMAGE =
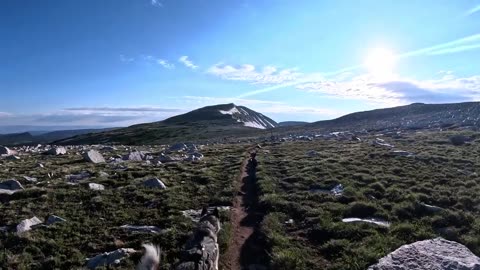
[(26, 225), (7, 151), (154, 183), (55, 151), (94, 157), (434, 254)]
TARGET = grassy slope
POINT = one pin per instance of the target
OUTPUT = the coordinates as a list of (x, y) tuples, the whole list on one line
[(377, 184), (93, 217)]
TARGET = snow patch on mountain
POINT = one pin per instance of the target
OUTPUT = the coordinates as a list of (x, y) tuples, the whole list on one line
[(249, 118)]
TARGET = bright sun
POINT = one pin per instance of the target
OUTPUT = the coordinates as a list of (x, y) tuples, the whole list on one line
[(380, 63)]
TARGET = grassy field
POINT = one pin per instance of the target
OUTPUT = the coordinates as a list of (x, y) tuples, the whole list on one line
[(305, 229), (93, 217)]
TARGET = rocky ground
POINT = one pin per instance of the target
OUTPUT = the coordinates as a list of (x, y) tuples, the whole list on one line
[(338, 200)]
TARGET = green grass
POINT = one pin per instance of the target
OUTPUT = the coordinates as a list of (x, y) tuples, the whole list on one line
[(93, 217), (377, 184)]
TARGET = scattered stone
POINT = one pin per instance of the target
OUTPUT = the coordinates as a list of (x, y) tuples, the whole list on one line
[(141, 229), (336, 190), (30, 179), (75, 178), (166, 158), (134, 156), (289, 222), (26, 225), (178, 147), (194, 157), (431, 208), (55, 151), (433, 254), (103, 174), (109, 148), (381, 142), (40, 165), (458, 140), (13, 157), (7, 151), (109, 258), (375, 221), (402, 153), (94, 186), (54, 219), (154, 183), (12, 185), (312, 153), (94, 157)]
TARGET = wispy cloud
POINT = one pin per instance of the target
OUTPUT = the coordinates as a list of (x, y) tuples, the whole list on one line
[(201, 100), (156, 3), (398, 91), (249, 73), (5, 114), (473, 10), (123, 58), (124, 109), (187, 62), (165, 63)]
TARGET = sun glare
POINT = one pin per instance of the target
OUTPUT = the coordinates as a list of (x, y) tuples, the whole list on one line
[(380, 63)]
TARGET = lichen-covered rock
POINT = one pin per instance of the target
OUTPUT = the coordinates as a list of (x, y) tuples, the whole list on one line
[(26, 225), (109, 258), (55, 151), (94, 157), (434, 254)]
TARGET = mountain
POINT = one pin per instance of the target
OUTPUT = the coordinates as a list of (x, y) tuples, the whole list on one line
[(29, 138), (37, 130), (413, 116), (291, 123), (212, 122)]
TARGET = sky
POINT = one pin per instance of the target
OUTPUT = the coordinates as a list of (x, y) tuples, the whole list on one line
[(121, 62)]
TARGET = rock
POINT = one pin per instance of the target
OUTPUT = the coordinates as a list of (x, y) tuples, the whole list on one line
[(30, 179), (75, 178), (134, 156), (7, 151), (54, 219), (94, 157), (142, 229), (109, 258), (12, 157), (103, 174), (430, 208), (178, 147), (166, 158), (94, 186), (433, 254), (11, 185), (56, 151), (381, 142), (40, 165), (402, 153), (194, 157), (26, 225), (375, 221), (312, 153), (154, 183), (458, 140), (109, 149)]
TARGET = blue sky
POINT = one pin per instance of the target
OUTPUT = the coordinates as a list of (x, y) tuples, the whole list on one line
[(120, 62)]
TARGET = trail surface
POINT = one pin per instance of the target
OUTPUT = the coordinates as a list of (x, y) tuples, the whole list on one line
[(245, 248)]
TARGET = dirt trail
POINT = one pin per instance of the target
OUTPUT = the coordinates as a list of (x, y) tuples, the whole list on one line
[(245, 248)]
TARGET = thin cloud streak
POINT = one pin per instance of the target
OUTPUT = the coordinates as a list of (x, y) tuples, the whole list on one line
[(473, 10), (187, 62)]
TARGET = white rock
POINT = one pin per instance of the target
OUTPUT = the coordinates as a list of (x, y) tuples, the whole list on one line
[(109, 258), (26, 225), (56, 151), (433, 254), (7, 151), (94, 186), (94, 157)]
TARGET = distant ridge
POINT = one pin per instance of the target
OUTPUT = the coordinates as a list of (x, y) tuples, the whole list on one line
[(207, 123)]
